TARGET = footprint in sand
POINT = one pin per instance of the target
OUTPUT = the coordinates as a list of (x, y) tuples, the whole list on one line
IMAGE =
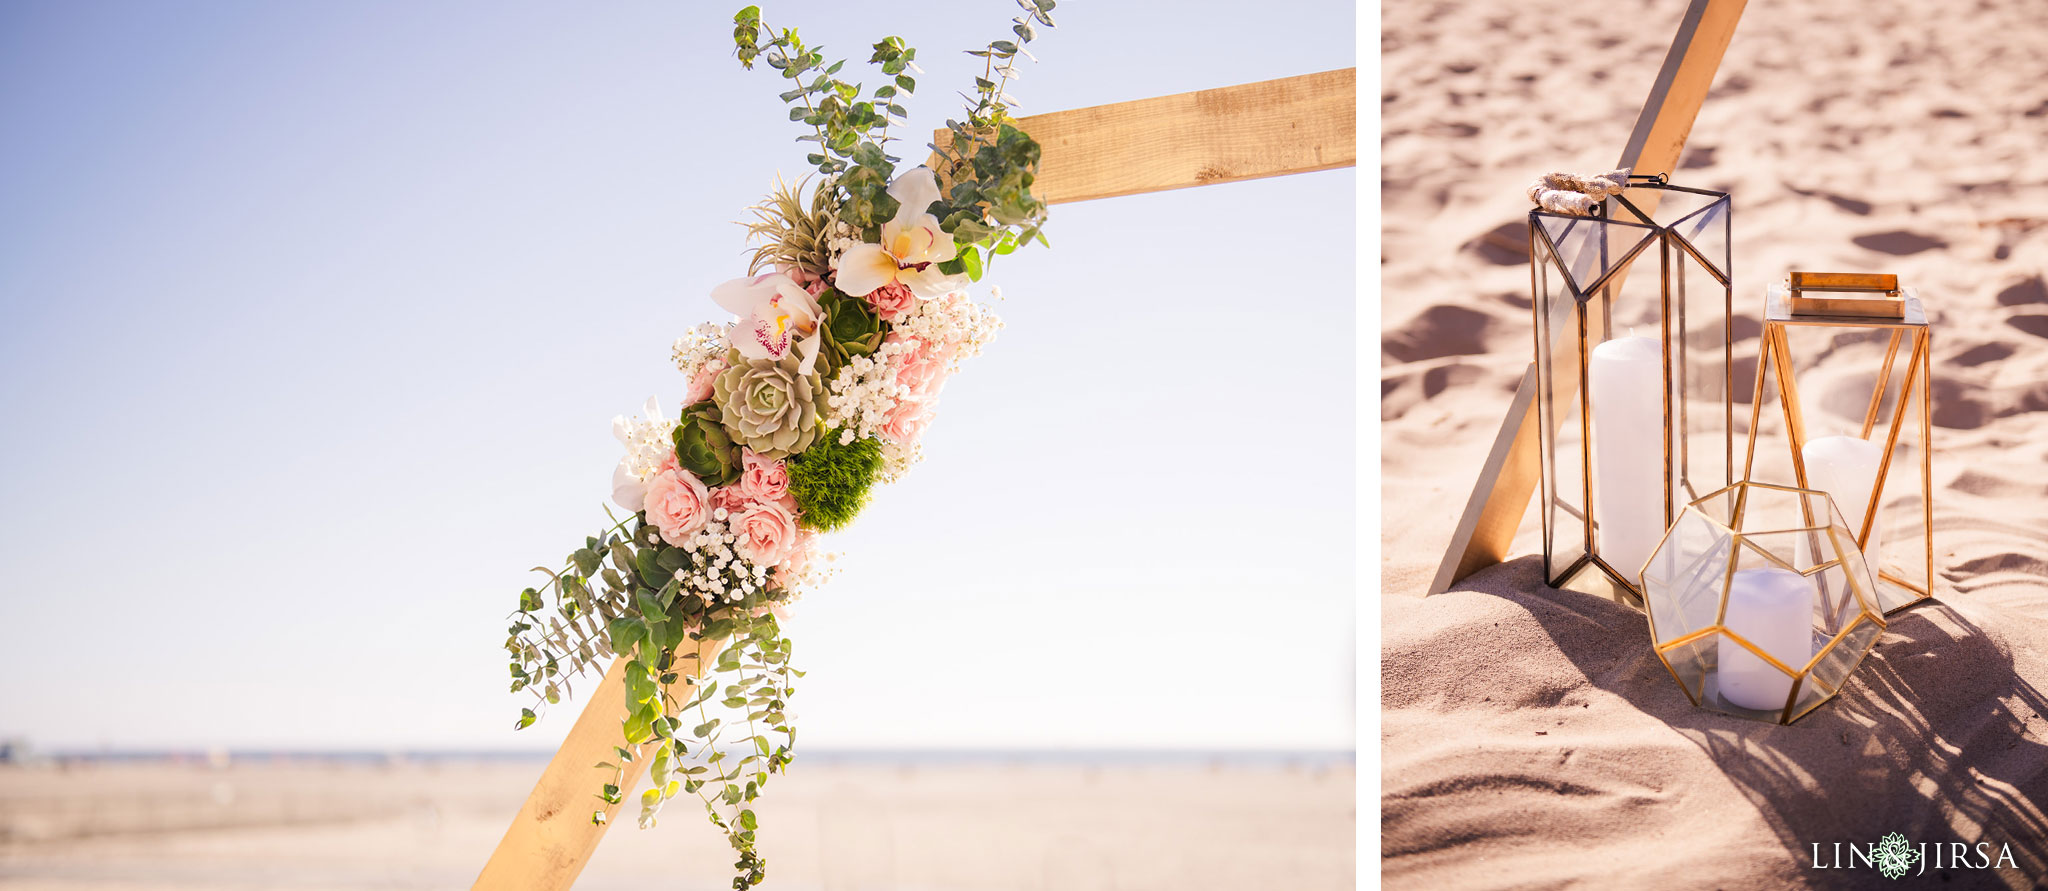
[(1898, 242), (1504, 245), (1982, 353), (2024, 292), (2035, 325), (1439, 331)]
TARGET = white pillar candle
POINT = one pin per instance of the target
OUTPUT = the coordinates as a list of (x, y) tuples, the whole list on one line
[(1845, 467), (1626, 382), (1773, 609)]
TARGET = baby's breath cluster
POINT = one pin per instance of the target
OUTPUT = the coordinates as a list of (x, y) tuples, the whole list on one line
[(961, 325), (698, 347), (717, 571), (861, 396)]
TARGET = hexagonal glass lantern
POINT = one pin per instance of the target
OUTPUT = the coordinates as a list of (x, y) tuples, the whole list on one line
[(1759, 601)]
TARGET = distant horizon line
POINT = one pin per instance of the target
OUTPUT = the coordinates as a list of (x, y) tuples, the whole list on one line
[(852, 754)]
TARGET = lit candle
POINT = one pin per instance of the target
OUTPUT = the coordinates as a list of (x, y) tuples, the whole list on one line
[(1773, 609), (1845, 467), (1626, 381)]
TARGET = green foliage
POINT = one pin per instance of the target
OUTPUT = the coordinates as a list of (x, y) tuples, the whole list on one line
[(850, 125), (830, 481), (617, 595), (987, 165)]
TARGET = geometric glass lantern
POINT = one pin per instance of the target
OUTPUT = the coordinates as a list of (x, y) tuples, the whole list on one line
[(1758, 611), (1635, 420), (1847, 358)]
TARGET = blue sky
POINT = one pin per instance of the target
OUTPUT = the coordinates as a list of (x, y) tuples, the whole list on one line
[(313, 318)]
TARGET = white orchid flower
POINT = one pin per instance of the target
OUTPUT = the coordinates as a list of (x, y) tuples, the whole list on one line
[(776, 316), (628, 489), (912, 245)]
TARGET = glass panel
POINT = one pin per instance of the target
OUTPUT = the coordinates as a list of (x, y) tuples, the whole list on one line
[(1705, 224), (1683, 581), (1693, 665), (1702, 447), (1902, 559), (1850, 379), (1625, 374), (1719, 506), (1772, 608), (1768, 454), (1590, 247), (1558, 429), (1835, 663)]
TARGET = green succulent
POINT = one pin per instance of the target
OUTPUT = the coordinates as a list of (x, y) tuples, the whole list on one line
[(851, 329), (770, 406), (704, 448)]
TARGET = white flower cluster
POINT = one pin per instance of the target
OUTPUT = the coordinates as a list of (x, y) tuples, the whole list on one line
[(717, 572), (648, 441), (815, 570), (954, 320), (843, 236), (861, 396), (898, 459), (698, 346)]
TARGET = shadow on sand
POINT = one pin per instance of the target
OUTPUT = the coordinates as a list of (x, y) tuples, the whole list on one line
[(1923, 740)]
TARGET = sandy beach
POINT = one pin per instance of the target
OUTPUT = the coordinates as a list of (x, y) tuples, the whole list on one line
[(981, 824), (1531, 738)]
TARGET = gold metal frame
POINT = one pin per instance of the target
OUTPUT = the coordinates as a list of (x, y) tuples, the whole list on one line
[(1853, 637), (1775, 367), (1558, 391)]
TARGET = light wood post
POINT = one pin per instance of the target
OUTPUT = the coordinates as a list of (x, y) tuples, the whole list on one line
[(1512, 469), (553, 836)]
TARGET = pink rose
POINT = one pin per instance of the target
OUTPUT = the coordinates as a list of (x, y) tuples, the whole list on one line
[(767, 532), (677, 504), (892, 301), (906, 422), (762, 479), (923, 370), (700, 383)]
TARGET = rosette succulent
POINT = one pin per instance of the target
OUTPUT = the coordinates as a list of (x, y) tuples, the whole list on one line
[(771, 406), (703, 447), (851, 329)]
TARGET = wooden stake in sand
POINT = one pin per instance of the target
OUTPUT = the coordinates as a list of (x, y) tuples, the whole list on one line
[(1271, 128), (1509, 476)]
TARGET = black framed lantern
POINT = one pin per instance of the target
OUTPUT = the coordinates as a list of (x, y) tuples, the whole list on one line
[(1633, 304)]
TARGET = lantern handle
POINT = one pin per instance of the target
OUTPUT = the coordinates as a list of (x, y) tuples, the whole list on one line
[(1883, 302)]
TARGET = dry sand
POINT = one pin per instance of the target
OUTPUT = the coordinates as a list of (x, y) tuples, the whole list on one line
[(1530, 739), (986, 825)]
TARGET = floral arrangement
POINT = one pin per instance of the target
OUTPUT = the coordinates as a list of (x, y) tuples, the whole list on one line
[(843, 334)]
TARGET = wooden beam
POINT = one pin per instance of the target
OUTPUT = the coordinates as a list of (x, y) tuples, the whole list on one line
[(1270, 128), (551, 839), (1512, 471)]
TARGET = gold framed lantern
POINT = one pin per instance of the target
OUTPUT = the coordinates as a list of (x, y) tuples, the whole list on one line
[(1759, 601), (1632, 316), (1855, 421)]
